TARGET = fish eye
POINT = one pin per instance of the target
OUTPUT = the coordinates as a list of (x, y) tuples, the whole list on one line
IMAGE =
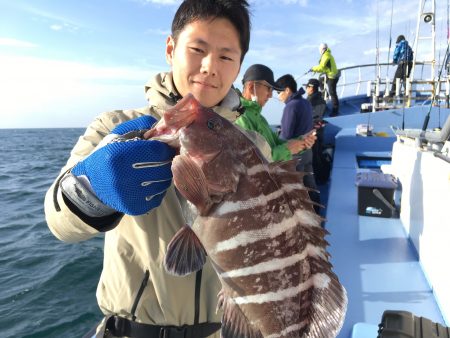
[(214, 124)]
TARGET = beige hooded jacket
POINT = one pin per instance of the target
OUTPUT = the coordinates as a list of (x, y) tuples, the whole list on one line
[(138, 243)]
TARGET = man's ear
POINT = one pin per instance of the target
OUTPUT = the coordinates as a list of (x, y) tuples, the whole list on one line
[(170, 47), (247, 89)]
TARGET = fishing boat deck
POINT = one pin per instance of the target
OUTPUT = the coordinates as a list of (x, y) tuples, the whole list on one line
[(373, 257)]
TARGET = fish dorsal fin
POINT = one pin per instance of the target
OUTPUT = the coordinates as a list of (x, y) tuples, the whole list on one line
[(185, 253), (234, 322)]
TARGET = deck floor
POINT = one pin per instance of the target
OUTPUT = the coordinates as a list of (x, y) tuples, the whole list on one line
[(372, 256)]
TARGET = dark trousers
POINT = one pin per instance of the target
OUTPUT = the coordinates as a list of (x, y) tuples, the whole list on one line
[(305, 164), (402, 72), (331, 84), (321, 169)]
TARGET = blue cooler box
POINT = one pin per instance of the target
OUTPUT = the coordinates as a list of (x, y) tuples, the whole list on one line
[(376, 194)]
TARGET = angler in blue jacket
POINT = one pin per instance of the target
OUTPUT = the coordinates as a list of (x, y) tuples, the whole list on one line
[(297, 114), (296, 122), (403, 57)]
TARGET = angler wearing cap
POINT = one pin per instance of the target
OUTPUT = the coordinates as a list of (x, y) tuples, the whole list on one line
[(327, 66), (321, 160), (259, 84), (316, 99)]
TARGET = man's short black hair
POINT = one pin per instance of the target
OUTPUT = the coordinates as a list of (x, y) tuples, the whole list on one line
[(287, 81), (400, 38), (236, 11)]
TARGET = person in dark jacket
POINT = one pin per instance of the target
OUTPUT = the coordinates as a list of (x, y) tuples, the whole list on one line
[(297, 114), (321, 163), (403, 57), (315, 97), (297, 121)]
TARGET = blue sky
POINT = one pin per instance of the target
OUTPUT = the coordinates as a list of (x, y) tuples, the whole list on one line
[(64, 62)]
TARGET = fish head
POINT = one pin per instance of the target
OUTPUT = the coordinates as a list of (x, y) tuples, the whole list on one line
[(195, 130), (206, 143)]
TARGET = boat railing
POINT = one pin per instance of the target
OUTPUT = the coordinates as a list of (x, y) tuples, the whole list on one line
[(375, 80)]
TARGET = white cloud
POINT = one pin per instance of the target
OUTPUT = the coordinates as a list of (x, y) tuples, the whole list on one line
[(50, 15), (56, 27), (373, 51), (54, 93), (64, 26), (302, 3), (16, 43), (162, 2), (60, 22), (266, 33), (158, 32)]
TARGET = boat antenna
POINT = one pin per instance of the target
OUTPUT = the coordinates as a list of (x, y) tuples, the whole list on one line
[(377, 47), (390, 38), (377, 69), (433, 97)]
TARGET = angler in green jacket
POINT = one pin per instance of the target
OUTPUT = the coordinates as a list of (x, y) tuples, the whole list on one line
[(258, 86), (327, 66)]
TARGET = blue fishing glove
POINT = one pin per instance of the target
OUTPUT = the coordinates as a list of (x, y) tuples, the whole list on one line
[(128, 174)]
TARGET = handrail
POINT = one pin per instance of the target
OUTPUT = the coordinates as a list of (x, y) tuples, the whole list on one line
[(378, 64), (346, 81)]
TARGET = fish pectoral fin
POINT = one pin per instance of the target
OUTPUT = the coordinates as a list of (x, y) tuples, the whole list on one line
[(234, 322), (191, 182), (185, 253)]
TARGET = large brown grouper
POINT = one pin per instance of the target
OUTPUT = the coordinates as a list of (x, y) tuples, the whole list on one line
[(258, 226)]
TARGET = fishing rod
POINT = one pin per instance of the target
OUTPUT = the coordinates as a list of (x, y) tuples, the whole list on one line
[(433, 98), (390, 38)]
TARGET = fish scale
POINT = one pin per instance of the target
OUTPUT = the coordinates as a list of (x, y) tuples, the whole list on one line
[(258, 226)]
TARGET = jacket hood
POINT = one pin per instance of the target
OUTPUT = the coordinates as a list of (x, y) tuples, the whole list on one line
[(298, 94), (161, 95), (328, 51), (249, 104)]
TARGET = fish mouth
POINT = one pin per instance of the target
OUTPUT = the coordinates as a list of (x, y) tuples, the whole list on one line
[(168, 128), (172, 140)]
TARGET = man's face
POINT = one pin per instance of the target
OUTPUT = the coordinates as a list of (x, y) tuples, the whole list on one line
[(283, 95), (205, 59), (309, 90), (263, 92)]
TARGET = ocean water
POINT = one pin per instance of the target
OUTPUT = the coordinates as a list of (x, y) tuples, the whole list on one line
[(47, 287)]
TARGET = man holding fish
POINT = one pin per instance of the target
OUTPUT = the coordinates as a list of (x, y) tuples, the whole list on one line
[(119, 183), (124, 189)]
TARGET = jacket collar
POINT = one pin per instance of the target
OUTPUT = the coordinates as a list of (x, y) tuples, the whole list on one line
[(298, 94)]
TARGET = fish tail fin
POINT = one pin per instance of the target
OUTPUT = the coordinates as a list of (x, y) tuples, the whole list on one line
[(327, 323), (185, 253)]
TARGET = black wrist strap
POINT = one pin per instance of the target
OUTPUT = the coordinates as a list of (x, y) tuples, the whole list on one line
[(101, 224)]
